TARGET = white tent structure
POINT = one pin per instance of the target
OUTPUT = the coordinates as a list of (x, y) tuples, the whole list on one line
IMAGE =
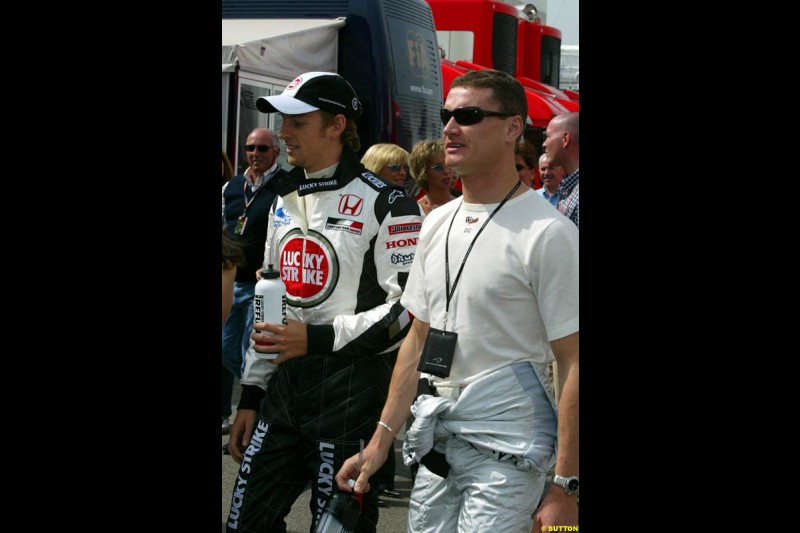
[(269, 53), (280, 48)]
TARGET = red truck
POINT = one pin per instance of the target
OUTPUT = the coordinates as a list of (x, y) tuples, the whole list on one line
[(480, 34)]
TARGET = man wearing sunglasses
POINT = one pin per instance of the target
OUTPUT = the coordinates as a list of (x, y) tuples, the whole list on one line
[(494, 293), (246, 200), (343, 241)]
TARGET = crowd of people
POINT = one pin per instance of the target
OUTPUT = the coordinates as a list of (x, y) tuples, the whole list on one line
[(399, 309)]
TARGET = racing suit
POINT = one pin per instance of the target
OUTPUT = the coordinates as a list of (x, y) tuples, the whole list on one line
[(344, 245)]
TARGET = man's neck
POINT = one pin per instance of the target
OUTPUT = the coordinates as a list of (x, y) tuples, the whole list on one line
[(570, 168), (327, 156), (489, 189), (325, 172), (251, 175)]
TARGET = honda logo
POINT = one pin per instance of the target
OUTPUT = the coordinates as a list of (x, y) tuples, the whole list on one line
[(350, 204)]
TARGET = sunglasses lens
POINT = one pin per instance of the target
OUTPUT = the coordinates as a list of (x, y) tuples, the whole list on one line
[(438, 168), (260, 147), (519, 167), (467, 117), (445, 115)]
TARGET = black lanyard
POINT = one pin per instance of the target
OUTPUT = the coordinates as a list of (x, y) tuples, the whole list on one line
[(449, 293), (255, 193)]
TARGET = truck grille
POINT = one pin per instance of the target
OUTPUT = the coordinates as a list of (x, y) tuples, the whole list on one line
[(504, 43), (550, 70)]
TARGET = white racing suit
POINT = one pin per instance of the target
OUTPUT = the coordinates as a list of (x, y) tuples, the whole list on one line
[(499, 449), (343, 245)]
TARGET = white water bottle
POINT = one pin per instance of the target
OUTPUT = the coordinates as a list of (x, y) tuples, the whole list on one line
[(269, 304)]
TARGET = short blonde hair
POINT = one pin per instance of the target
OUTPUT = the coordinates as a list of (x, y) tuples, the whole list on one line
[(421, 155), (382, 154)]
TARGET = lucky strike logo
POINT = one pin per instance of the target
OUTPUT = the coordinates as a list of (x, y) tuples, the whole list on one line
[(308, 268)]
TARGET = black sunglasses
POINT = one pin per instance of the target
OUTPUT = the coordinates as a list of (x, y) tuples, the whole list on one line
[(520, 167), (467, 116), (253, 147)]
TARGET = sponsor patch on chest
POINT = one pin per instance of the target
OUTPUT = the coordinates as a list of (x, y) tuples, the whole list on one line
[(344, 224)]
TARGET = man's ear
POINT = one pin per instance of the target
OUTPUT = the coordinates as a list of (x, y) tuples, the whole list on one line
[(339, 123), (515, 128)]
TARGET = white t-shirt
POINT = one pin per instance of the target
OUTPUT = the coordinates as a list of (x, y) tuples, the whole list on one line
[(518, 289)]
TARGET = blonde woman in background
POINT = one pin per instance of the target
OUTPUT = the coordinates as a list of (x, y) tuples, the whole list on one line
[(387, 161), (431, 174)]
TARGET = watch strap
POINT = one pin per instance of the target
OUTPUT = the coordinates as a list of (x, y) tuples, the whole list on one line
[(564, 483)]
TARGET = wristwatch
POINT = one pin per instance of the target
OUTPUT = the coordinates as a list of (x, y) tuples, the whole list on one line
[(569, 484)]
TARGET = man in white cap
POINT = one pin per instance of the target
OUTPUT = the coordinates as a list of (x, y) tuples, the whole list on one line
[(343, 241)]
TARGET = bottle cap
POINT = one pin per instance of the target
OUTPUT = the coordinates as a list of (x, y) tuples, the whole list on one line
[(270, 273)]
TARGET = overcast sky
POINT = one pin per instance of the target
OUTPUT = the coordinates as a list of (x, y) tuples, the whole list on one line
[(563, 14)]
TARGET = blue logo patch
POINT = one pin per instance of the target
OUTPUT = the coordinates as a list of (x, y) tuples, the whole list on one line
[(282, 218)]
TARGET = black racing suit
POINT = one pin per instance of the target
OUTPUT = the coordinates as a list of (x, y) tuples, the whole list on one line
[(344, 264)]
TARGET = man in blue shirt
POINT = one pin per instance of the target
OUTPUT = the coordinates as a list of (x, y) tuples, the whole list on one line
[(551, 178)]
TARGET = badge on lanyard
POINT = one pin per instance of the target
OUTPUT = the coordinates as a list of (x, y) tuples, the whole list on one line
[(240, 224), (437, 355)]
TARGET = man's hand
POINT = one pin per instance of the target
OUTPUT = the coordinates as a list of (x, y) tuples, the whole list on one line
[(371, 460), (241, 431), (557, 509), (290, 340)]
